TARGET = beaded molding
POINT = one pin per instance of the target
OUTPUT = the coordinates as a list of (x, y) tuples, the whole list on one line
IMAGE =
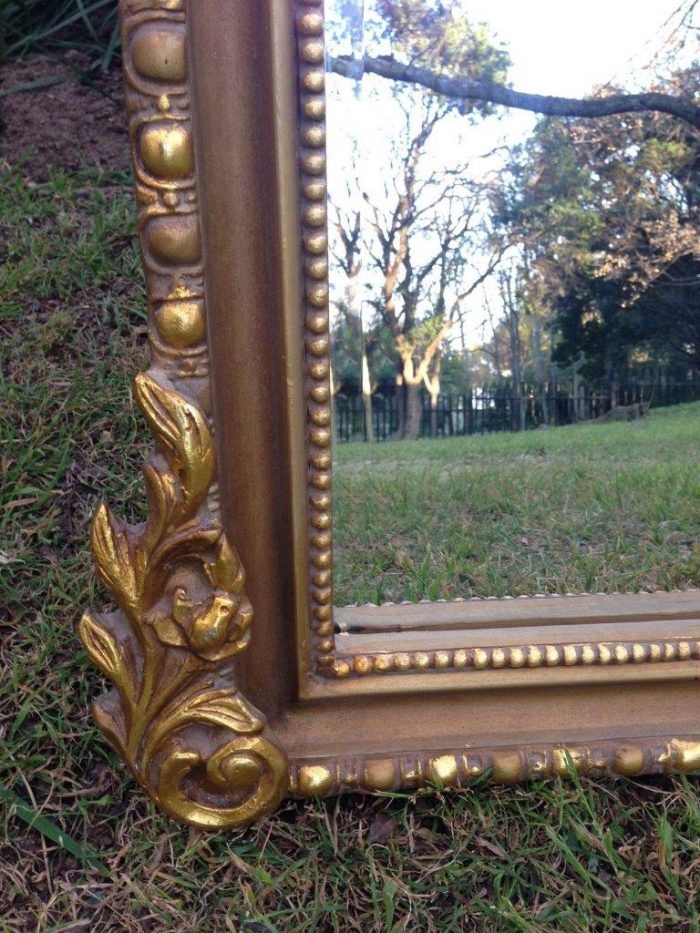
[(508, 765), (312, 167)]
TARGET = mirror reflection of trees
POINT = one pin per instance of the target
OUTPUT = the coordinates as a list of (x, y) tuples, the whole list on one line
[(577, 248)]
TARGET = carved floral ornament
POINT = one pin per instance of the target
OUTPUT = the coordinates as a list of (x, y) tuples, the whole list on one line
[(175, 715)]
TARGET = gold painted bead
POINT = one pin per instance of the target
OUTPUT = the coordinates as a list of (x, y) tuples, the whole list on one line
[(319, 346), (325, 646), (421, 660), (174, 240), (315, 215), (166, 150), (442, 659), (604, 654), (622, 655), (443, 770), (506, 766), (588, 655), (321, 416), (321, 540), (318, 323), (561, 757), (310, 24), (320, 461), (320, 437), (402, 661), (320, 394), (380, 774), (322, 560), (516, 657), (629, 760), (638, 654), (180, 323), (321, 480), (320, 500), (314, 108), (315, 243), (498, 657), (323, 596), (381, 663), (551, 655), (314, 136), (311, 51), (683, 650), (341, 669), (314, 780), (317, 295), (460, 658), (324, 629), (314, 163), (159, 53), (688, 755), (321, 521), (534, 656), (321, 579), (313, 80), (480, 659), (323, 613), (317, 269), (362, 664), (570, 655), (170, 199), (319, 369)]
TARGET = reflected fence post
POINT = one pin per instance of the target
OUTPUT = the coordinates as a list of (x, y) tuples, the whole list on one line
[(495, 408)]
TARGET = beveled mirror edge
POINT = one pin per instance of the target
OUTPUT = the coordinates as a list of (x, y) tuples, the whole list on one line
[(224, 766)]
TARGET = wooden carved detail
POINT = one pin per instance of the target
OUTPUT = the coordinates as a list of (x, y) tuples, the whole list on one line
[(312, 167), (571, 654), (458, 768), (193, 742)]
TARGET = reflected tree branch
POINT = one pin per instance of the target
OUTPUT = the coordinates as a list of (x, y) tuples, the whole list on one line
[(457, 88)]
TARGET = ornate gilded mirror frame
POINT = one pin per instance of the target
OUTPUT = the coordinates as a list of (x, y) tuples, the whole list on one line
[(231, 691)]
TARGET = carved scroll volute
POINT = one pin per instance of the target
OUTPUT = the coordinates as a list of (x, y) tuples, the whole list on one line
[(193, 742)]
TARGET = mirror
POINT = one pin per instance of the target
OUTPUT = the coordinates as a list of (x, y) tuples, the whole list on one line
[(235, 557), (497, 348)]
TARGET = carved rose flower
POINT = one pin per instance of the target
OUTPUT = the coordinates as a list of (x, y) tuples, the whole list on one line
[(214, 627)]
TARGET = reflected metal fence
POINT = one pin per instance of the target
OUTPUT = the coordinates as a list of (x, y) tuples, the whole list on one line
[(497, 408)]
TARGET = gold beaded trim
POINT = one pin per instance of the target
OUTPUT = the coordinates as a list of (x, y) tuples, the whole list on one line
[(520, 656), (312, 138), (500, 765)]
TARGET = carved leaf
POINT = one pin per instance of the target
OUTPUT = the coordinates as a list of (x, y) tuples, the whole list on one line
[(190, 539), (105, 652), (114, 559), (222, 707), (226, 572), (162, 499), (182, 429)]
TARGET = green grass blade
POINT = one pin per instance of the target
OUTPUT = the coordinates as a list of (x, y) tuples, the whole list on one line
[(51, 831)]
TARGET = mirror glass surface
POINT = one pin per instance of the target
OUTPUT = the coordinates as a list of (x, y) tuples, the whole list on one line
[(502, 383)]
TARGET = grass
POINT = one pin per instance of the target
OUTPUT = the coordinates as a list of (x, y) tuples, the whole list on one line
[(604, 508), (561, 856)]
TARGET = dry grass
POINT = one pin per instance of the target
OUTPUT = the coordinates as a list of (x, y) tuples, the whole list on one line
[(579, 856)]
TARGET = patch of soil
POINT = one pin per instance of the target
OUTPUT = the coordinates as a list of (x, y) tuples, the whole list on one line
[(65, 125)]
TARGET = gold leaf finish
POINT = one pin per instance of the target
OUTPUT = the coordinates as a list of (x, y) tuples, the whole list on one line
[(183, 609), (192, 741)]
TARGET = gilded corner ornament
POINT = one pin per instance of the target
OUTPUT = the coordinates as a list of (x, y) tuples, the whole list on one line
[(193, 742)]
